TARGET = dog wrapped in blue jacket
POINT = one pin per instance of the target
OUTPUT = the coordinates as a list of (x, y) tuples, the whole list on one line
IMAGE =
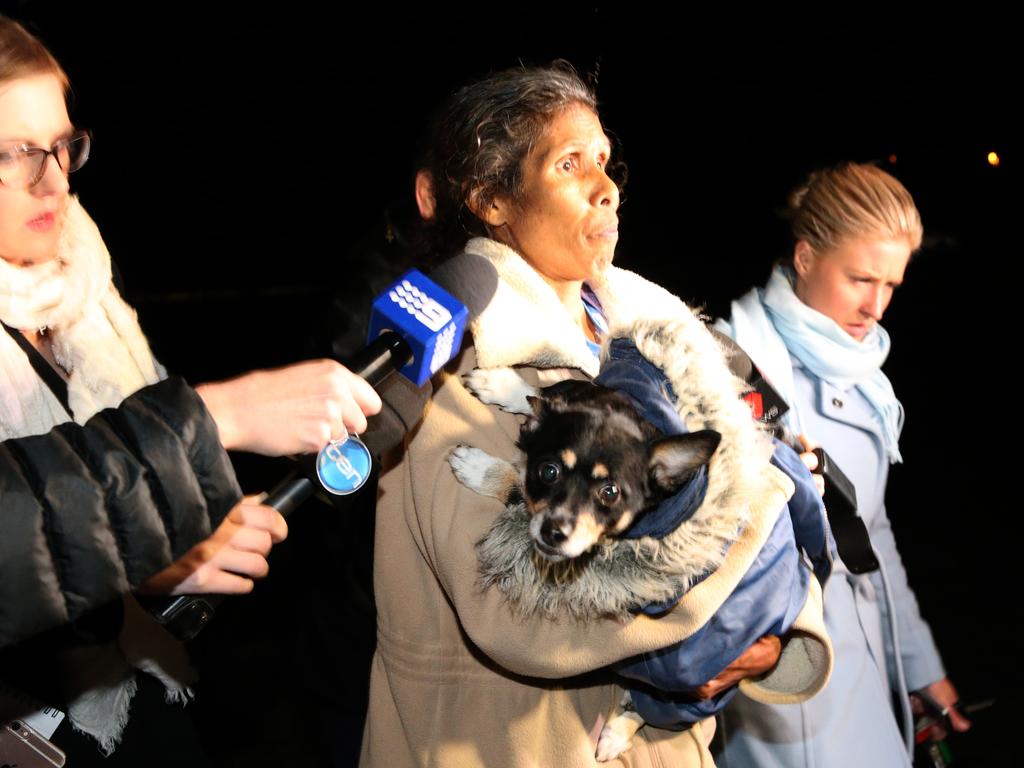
[(609, 474)]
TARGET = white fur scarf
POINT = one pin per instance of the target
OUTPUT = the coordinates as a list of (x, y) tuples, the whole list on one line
[(622, 575), (97, 339), (96, 336)]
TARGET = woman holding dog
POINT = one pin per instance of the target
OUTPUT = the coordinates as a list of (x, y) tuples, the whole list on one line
[(814, 331), (520, 163)]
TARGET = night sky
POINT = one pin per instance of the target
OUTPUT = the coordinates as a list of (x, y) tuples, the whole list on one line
[(247, 162)]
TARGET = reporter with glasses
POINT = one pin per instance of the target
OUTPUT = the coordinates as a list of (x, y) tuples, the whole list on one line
[(113, 476)]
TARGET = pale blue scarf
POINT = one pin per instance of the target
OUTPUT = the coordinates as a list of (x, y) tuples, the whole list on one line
[(771, 323)]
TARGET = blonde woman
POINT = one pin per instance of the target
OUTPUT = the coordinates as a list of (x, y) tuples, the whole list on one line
[(814, 331)]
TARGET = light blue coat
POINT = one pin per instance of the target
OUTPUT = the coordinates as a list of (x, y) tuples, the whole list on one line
[(852, 722)]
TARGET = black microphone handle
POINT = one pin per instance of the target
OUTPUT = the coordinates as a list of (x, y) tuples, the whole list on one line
[(290, 493), (387, 353)]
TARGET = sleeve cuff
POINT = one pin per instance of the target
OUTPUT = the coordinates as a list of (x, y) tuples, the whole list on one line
[(805, 665)]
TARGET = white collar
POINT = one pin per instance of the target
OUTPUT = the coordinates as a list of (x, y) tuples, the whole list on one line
[(524, 322)]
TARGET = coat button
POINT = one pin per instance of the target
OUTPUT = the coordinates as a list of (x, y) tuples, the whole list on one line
[(837, 402)]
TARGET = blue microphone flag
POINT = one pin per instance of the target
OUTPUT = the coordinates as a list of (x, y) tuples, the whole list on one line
[(429, 318)]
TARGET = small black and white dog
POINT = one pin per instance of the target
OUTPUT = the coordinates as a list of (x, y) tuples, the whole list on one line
[(591, 467), (591, 464)]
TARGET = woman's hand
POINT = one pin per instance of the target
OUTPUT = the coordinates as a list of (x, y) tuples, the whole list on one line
[(811, 462), (227, 562), (942, 697), (756, 660), (295, 409)]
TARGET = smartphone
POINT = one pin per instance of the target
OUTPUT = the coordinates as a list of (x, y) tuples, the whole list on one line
[(21, 746)]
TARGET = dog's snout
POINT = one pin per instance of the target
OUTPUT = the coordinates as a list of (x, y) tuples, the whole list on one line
[(552, 534), (558, 535)]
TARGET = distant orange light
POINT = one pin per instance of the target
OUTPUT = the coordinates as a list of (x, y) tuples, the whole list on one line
[(993, 159), (892, 159)]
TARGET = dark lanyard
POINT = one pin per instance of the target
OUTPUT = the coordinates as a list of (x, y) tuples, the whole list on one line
[(53, 380)]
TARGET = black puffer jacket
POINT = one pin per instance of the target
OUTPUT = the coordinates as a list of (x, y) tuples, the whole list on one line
[(89, 512)]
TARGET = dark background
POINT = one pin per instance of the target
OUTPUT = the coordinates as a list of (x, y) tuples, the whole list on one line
[(248, 160)]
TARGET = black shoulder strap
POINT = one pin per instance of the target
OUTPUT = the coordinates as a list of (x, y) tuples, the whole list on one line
[(53, 380)]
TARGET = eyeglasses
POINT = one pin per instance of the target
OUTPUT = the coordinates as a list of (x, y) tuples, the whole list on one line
[(22, 167)]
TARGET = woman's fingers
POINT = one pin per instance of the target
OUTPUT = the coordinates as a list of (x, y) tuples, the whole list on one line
[(219, 583), (756, 660), (943, 698), (807, 456), (228, 560), (363, 395), (808, 443), (236, 561), (819, 484), (352, 400), (810, 460), (260, 517), (958, 721), (252, 540)]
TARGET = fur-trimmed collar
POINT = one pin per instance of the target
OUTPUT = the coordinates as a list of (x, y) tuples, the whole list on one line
[(525, 324)]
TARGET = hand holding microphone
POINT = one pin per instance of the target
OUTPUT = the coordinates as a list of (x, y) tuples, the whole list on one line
[(227, 561), (290, 410), (294, 409), (415, 328)]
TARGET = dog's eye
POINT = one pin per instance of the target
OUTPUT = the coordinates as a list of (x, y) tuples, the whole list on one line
[(549, 472), (608, 494)]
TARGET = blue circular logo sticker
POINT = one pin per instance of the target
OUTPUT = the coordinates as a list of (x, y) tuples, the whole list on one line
[(343, 467)]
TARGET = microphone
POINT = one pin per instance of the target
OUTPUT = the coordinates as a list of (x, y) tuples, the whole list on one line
[(416, 327), (428, 318)]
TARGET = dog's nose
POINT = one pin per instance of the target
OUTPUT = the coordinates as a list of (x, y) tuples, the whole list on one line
[(551, 534)]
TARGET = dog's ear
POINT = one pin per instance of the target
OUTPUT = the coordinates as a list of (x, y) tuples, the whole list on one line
[(540, 410), (674, 459)]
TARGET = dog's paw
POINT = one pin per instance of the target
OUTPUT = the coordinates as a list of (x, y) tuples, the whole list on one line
[(472, 467), (611, 745), (502, 387), (485, 474), (616, 736)]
